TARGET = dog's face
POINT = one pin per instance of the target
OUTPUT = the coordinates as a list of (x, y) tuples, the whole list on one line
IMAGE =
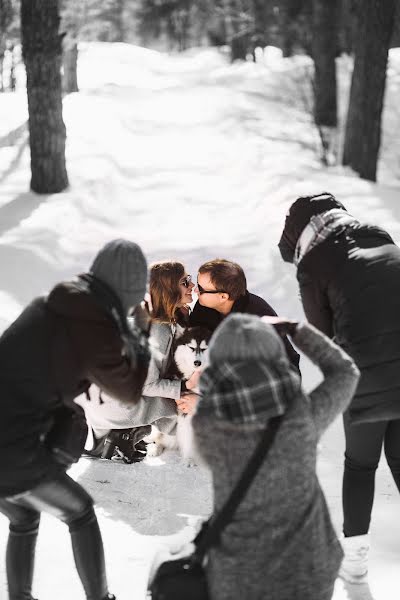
[(190, 350)]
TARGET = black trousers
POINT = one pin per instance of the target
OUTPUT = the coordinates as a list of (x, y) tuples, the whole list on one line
[(363, 450), (69, 502)]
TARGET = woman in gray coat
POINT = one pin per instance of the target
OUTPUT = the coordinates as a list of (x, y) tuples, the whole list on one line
[(170, 291), (281, 543)]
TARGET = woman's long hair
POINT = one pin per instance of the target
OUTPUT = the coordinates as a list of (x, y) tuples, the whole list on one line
[(165, 291)]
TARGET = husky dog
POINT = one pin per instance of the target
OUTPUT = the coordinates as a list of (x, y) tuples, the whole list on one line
[(189, 352)]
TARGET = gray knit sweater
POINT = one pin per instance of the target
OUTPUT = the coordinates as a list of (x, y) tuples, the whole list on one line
[(281, 544)]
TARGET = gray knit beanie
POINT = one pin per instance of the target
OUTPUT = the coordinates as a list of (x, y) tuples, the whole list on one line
[(122, 266), (242, 336), (248, 379)]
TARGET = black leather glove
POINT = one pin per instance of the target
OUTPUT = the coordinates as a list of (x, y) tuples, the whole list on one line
[(283, 326)]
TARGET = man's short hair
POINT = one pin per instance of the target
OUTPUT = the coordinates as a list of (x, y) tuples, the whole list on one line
[(227, 276)]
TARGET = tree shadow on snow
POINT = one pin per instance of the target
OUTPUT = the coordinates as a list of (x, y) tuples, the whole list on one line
[(28, 272), (20, 208), (20, 149)]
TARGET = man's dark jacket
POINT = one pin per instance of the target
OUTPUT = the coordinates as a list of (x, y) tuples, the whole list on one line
[(249, 304), (56, 348), (350, 289)]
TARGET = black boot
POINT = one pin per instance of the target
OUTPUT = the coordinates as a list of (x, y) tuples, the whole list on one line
[(98, 447), (127, 444), (20, 560), (87, 547)]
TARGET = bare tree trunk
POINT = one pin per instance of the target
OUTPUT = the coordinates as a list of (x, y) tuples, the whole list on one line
[(324, 53), (42, 53), (1, 71), (375, 20), (260, 11), (70, 65), (120, 24)]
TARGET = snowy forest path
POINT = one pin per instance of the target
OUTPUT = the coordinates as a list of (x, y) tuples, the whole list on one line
[(192, 158)]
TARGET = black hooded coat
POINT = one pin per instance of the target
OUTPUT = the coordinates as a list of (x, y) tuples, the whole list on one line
[(350, 290), (52, 353)]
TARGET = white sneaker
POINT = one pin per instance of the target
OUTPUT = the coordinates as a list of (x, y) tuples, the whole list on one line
[(354, 567)]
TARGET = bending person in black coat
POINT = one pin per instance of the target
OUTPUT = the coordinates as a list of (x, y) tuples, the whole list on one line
[(56, 348), (349, 278), (222, 289)]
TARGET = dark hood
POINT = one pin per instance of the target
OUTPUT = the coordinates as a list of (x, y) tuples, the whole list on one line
[(72, 299), (298, 217)]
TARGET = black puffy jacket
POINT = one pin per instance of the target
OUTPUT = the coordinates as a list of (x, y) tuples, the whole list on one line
[(350, 289), (248, 303), (54, 350)]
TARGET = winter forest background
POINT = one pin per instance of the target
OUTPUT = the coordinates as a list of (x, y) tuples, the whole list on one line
[(189, 126)]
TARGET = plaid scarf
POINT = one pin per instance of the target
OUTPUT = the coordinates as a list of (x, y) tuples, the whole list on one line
[(319, 229), (247, 392)]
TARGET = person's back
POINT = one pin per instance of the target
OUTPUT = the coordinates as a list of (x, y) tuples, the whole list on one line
[(25, 415), (358, 272), (263, 547), (281, 540)]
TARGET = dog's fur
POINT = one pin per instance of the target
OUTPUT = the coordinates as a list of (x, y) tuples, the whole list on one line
[(189, 351)]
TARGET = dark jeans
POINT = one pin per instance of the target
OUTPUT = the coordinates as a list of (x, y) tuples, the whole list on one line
[(363, 450), (65, 499)]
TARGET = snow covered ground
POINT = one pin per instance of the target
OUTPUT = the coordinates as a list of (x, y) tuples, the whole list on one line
[(192, 158)]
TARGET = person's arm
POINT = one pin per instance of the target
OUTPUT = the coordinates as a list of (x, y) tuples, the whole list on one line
[(315, 304), (155, 384), (333, 395), (105, 365)]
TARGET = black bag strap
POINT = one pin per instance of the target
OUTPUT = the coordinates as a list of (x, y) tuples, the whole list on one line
[(213, 528)]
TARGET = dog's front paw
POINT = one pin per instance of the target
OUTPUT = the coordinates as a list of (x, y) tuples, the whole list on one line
[(154, 449)]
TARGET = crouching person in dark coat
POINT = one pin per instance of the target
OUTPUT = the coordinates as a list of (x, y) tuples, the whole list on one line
[(56, 348), (349, 278)]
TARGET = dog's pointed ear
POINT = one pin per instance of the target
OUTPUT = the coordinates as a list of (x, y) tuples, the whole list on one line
[(179, 331)]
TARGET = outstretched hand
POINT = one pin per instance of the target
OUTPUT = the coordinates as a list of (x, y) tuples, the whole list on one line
[(283, 326)]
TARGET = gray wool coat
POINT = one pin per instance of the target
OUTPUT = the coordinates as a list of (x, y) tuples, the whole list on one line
[(281, 544), (157, 404)]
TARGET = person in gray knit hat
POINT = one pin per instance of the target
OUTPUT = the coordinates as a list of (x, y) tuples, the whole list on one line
[(280, 543), (62, 343)]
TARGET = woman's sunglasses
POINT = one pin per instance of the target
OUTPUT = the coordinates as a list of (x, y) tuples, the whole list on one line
[(186, 281), (203, 291)]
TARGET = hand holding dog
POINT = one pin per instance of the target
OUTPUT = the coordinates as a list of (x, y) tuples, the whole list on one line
[(193, 382), (187, 402)]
